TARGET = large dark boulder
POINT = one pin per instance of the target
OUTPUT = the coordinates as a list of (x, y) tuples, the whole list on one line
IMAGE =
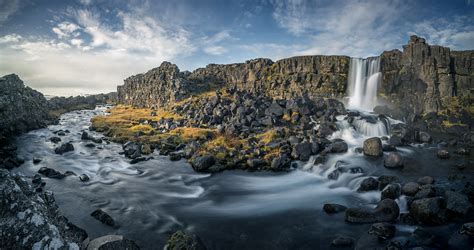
[(64, 148), (373, 147), (302, 151), (368, 184), (430, 211), (132, 149), (386, 211), (203, 163), (32, 220), (457, 203)]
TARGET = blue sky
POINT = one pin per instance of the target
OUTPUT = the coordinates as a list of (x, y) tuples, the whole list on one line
[(63, 47)]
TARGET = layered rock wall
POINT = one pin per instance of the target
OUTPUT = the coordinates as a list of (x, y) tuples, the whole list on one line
[(422, 76), (316, 76)]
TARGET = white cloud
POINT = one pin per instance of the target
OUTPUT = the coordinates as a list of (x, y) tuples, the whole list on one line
[(453, 33), (355, 28), (215, 50), (12, 38), (7, 9), (85, 2), (96, 61)]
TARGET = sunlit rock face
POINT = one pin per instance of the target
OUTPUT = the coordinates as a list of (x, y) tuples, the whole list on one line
[(316, 76), (21, 108), (422, 76)]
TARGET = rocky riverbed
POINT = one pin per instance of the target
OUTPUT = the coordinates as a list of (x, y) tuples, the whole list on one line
[(412, 204)]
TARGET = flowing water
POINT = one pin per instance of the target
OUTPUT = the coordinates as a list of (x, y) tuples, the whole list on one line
[(364, 78), (229, 210)]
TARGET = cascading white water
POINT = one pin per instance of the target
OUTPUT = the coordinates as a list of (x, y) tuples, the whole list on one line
[(364, 78)]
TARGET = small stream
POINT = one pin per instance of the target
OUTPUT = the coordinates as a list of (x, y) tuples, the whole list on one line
[(231, 210)]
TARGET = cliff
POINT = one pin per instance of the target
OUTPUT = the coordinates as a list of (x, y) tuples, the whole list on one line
[(21, 108), (422, 77), (317, 76)]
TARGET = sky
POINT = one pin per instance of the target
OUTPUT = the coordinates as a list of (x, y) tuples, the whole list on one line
[(71, 47)]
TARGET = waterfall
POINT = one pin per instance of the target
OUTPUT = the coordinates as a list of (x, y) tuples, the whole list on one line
[(364, 78)]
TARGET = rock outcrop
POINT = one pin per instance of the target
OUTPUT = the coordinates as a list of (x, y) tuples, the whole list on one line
[(31, 220), (66, 104), (315, 76), (422, 76), (21, 108)]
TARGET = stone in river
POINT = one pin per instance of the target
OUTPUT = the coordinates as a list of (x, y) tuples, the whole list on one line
[(51, 173), (373, 147), (65, 147), (387, 210), (393, 160), (368, 184), (103, 217), (112, 242), (342, 241), (383, 230), (334, 208)]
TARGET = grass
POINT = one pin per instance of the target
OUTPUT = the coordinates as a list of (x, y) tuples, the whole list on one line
[(268, 136)]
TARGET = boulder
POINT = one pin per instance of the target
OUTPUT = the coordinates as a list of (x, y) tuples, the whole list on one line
[(181, 240), (429, 210), (203, 163), (339, 147), (51, 173), (410, 188), (111, 242), (255, 163), (368, 184), (391, 191), (281, 162), (425, 180), (424, 137), (342, 241), (64, 148), (103, 217), (84, 177), (32, 220), (302, 151), (393, 160), (384, 180), (383, 230), (457, 203), (467, 229), (334, 208), (55, 139), (373, 147), (131, 149), (387, 210), (443, 153)]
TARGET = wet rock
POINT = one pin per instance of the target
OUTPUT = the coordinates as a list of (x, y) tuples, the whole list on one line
[(255, 163), (443, 154), (342, 241), (181, 240), (139, 159), (339, 147), (460, 241), (203, 163), (462, 151), (30, 219), (429, 210), (112, 242), (51, 173), (64, 148), (343, 167), (425, 193), (467, 229), (393, 160), (389, 148), (36, 160), (175, 156), (55, 139), (89, 145), (457, 203), (281, 162), (383, 230), (424, 137), (391, 191), (319, 159), (131, 149), (410, 188), (36, 179), (425, 180), (368, 184), (334, 208), (384, 180), (387, 210), (84, 177), (302, 151), (395, 141), (373, 147), (103, 217)]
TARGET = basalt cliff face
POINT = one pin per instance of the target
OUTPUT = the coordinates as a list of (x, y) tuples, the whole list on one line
[(316, 76), (423, 77), (418, 79)]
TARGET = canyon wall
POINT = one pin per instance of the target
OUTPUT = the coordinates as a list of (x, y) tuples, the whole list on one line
[(418, 79)]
